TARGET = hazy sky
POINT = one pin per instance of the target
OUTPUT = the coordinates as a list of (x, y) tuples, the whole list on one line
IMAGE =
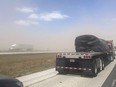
[(54, 24)]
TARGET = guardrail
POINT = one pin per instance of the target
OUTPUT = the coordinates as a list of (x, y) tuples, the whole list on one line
[(37, 77)]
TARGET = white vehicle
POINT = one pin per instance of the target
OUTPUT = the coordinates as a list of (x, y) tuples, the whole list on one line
[(21, 47)]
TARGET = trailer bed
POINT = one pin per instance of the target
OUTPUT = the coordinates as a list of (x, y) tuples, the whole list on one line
[(80, 61), (78, 55)]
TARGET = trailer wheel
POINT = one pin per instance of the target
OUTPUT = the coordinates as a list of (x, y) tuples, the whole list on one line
[(62, 72), (111, 58), (103, 65), (94, 70)]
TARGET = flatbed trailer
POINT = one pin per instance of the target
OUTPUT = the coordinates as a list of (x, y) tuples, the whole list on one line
[(90, 62), (92, 55)]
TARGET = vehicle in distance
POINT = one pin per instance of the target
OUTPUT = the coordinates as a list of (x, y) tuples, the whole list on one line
[(21, 47), (91, 56)]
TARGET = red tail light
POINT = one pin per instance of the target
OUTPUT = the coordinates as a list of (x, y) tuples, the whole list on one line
[(87, 57)]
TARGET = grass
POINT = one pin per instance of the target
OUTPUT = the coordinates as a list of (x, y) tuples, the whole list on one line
[(16, 65)]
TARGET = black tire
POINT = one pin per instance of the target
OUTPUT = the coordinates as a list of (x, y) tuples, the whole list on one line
[(94, 70), (62, 72), (103, 65), (111, 58)]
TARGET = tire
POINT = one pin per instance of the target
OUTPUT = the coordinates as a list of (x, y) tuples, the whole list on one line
[(94, 70), (103, 65), (62, 72), (111, 58)]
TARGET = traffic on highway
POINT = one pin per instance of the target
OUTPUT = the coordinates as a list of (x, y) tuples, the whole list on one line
[(57, 43)]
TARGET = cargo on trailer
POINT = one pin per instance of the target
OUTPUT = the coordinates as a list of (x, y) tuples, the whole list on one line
[(91, 56)]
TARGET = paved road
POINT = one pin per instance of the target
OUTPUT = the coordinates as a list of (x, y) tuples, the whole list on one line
[(111, 80), (71, 80)]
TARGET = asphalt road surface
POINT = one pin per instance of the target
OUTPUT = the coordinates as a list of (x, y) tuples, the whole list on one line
[(75, 80), (111, 80)]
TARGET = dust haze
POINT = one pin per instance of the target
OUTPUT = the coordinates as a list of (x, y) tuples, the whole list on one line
[(51, 41)]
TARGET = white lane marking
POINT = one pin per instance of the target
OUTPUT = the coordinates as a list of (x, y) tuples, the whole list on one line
[(114, 83)]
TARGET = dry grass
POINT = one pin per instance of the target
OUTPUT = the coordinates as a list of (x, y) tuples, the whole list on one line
[(22, 64)]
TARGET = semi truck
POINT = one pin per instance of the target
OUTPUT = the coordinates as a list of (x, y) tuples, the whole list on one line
[(91, 56), (21, 47)]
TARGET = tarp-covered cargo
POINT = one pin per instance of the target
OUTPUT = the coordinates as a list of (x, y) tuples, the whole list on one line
[(87, 43)]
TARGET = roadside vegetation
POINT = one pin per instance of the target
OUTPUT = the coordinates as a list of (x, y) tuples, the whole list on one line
[(16, 65)]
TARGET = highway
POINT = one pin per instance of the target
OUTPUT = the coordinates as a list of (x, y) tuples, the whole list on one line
[(104, 79), (111, 80)]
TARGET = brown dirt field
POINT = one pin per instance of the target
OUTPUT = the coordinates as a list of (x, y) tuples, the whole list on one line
[(16, 65)]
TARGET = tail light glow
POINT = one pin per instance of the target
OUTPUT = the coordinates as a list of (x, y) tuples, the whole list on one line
[(87, 57)]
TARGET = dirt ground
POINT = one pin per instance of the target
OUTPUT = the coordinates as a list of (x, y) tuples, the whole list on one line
[(16, 65)]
